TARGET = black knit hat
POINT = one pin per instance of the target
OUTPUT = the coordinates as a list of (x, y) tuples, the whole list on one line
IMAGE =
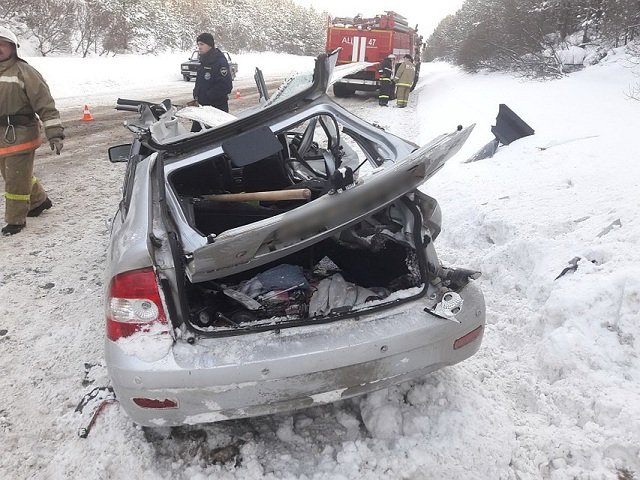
[(206, 38)]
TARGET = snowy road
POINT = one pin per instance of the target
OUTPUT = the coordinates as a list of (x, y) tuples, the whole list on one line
[(553, 393)]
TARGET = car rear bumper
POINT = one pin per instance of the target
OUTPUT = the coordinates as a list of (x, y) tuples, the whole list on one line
[(266, 373)]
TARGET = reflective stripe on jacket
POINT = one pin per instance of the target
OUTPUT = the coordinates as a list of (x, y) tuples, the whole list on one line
[(24, 92), (20, 147), (405, 75)]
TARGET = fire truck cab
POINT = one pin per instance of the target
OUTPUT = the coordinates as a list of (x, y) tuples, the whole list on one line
[(371, 40)]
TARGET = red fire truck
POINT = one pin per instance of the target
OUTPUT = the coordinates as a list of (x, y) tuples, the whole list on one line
[(370, 40)]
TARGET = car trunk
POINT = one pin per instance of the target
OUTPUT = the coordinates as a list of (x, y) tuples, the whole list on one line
[(271, 263), (358, 268)]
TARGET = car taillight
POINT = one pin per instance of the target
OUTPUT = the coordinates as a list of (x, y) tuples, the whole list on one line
[(133, 304)]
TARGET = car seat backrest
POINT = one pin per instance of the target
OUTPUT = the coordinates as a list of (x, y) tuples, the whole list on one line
[(261, 154), (251, 146), (267, 174), (210, 177)]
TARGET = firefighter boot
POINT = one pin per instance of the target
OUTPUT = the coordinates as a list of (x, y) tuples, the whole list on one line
[(12, 229), (35, 212)]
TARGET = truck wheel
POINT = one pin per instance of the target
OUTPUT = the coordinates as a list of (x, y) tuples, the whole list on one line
[(340, 90), (186, 78)]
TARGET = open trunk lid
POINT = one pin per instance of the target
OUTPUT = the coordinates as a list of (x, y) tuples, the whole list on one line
[(264, 241)]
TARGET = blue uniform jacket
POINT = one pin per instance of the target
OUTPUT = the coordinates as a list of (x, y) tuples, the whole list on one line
[(213, 81)]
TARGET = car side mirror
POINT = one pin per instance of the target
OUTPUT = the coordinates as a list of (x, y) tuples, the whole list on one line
[(119, 153)]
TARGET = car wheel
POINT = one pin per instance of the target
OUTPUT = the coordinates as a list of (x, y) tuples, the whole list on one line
[(340, 90), (186, 78)]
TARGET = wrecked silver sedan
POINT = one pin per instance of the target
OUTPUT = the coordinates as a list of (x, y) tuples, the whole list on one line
[(277, 260)]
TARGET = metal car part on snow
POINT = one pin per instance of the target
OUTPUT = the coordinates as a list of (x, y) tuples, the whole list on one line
[(276, 260)]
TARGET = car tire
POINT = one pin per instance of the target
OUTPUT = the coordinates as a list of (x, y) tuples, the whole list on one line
[(341, 91), (186, 78)]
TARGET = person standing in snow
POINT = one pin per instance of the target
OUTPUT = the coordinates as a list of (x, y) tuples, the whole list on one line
[(405, 75), (386, 84), (25, 101), (213, 80)]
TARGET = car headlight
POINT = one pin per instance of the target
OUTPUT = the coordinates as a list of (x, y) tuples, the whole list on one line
[(185, 67)]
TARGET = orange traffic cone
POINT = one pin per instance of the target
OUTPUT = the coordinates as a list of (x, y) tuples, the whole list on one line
[(87, 117), (237, 93)]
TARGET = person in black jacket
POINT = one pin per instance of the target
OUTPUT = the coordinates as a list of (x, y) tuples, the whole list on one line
[(213, 81), (386, 82)]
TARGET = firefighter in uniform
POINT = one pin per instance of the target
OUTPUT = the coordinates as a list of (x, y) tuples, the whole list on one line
[(405, 75), (213, 80), (23, 95), (386, 83)]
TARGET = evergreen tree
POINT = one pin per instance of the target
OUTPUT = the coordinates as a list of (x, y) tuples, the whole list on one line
[(525, 35)]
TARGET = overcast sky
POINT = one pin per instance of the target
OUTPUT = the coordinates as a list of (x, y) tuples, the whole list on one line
[(427, 14)]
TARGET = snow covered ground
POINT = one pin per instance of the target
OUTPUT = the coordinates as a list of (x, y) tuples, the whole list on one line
[(553, 393)]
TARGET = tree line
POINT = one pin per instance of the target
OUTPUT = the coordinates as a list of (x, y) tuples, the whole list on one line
[(526, 35), (120, 26)]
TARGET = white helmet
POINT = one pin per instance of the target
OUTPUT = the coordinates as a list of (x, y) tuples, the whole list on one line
[(9, 36)]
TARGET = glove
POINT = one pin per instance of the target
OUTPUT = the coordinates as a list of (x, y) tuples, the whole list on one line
[(56, 144)]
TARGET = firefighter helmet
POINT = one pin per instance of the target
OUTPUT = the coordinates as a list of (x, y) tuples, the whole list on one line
[(9, 36)]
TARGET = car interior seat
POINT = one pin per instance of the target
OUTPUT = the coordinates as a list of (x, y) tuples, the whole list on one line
[(261, 155)]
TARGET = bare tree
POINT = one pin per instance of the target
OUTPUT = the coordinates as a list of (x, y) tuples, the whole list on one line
[(116, 26), (51, 22), (633, 49), (90, 23), (10, 9)]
